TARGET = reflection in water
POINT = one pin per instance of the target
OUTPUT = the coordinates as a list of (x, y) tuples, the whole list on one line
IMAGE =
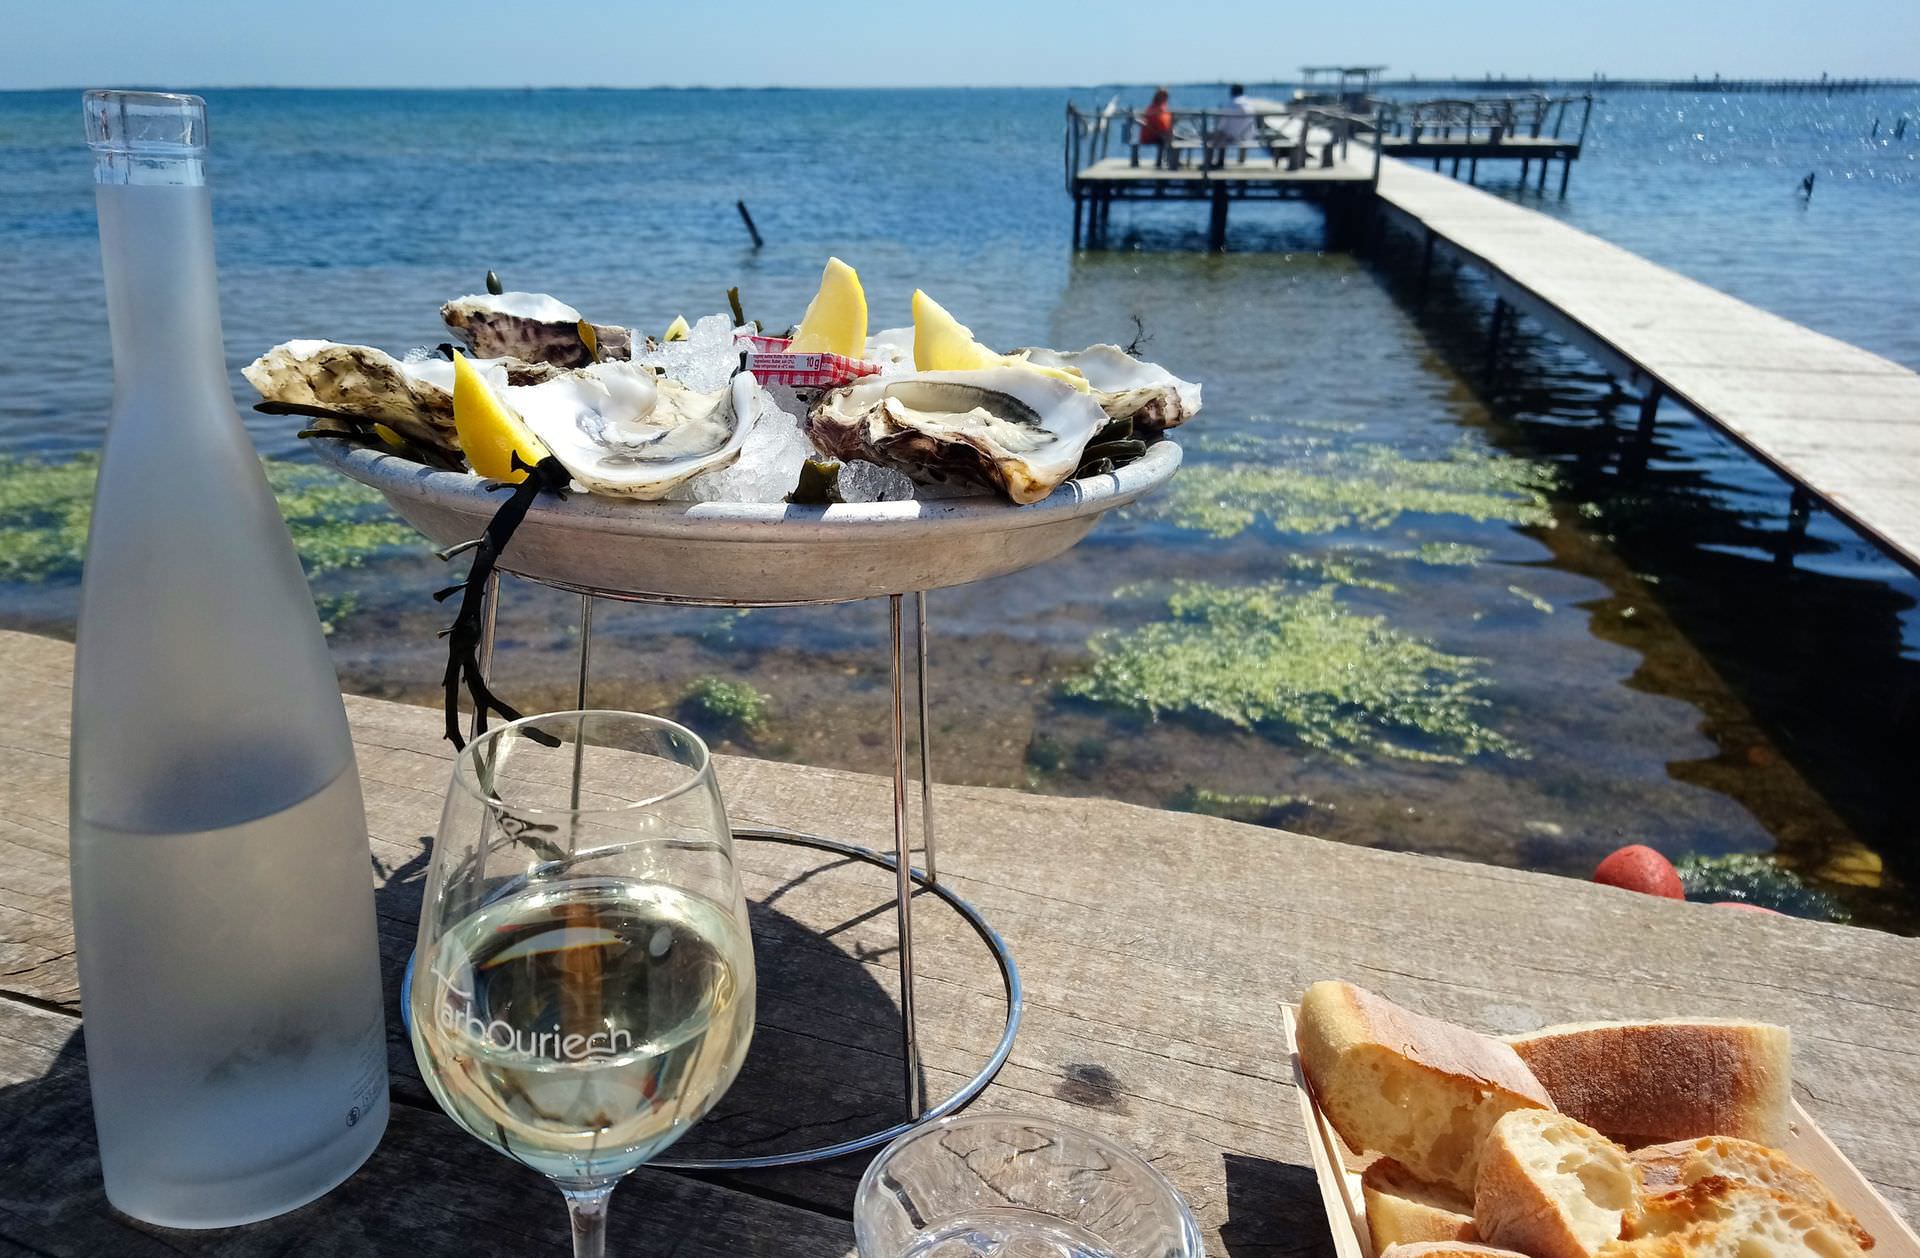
[(1790, 635)]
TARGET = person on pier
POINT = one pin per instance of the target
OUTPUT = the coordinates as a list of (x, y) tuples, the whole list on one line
[(1233, 127), (1156, 128)]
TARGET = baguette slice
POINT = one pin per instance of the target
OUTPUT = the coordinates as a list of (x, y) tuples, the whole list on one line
[(1404, 1210), (1668, 1168), (1422, 1091), (1717, 1218), (1647, 1082), (1446, 1249), (1553, 1187)]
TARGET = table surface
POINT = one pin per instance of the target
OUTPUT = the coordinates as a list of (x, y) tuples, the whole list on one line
[(1157, 949)]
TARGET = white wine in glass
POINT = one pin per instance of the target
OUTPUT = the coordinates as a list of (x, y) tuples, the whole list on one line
[(584, 986)]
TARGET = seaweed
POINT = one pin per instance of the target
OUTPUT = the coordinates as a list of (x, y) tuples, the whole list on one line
[(727, 708), (1312, 489), (1297, 665), (1748, 878), (336, 524)]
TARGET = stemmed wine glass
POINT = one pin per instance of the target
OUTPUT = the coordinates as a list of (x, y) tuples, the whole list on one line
[(583, 988)]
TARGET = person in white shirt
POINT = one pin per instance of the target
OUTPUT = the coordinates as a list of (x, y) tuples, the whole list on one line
[(1232, 126)]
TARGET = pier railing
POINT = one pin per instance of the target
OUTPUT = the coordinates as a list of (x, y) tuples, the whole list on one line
[(1534, 115), (1296, 137)]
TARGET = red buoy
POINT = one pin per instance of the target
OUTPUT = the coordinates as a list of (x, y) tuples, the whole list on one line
[(1638, 867)]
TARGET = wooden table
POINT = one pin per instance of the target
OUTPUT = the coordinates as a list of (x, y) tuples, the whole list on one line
[(1156, 947)]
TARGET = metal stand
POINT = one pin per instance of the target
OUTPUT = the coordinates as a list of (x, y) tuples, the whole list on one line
[(900, 863)]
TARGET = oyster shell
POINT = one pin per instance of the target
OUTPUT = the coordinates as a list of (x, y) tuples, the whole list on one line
[(366, 386), (1004, 427), (532, 326), (620, 430), (1151, 396)]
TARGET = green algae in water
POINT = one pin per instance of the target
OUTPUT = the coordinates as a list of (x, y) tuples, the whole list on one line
[(1310, 488), (727, 708), (336, 523), (1295, 663), (1750, 879)]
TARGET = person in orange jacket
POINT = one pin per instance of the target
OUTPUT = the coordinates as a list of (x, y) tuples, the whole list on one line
[(1156, 125)]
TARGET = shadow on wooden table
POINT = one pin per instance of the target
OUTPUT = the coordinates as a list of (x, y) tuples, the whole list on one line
[(1260, 1190), (429, 1190)]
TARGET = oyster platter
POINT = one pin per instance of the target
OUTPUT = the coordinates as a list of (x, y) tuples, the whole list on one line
[(719, 464)]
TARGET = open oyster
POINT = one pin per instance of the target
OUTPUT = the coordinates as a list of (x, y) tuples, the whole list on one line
[(364, 386), (620, 430), (1004, 427), (532, 326), (1151, 396)]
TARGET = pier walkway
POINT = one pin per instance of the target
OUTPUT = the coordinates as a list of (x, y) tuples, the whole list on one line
[(1840, 423)]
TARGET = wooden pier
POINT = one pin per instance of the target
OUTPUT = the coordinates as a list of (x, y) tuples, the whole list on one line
[(1286, 154), (1841, 424), (1305, 151), (1528, 129)]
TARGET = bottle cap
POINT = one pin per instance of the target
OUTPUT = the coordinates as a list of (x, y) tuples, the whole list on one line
[(146, 137)]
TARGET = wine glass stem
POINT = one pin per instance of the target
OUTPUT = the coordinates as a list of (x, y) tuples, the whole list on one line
[(588, 1209)]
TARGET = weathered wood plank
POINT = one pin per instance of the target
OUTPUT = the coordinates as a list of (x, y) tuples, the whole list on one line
[(1156, 949), (428, 1190), (1746, 370)]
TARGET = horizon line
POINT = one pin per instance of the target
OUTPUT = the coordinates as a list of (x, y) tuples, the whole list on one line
[(1707, 82)]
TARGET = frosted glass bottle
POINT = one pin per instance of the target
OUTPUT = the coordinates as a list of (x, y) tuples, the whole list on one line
[(222, 896)]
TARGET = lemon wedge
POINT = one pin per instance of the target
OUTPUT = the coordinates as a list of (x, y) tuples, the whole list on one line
[(836, 318), (490, 434), (942, 343), (677, 330)]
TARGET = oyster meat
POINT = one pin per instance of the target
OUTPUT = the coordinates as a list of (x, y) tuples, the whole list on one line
[(620, 430), (1008, 428), (1151, 396), (532, 326)]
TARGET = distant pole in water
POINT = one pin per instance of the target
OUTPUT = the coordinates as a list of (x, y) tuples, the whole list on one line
[(1806, 186), (1900, 128), (1875, 133), (748, 220)]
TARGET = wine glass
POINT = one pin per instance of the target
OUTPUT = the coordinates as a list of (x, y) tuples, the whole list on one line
[(583, 988), (1017, 1186)]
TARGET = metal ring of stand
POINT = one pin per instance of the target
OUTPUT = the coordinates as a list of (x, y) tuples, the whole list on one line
[(906, 878)]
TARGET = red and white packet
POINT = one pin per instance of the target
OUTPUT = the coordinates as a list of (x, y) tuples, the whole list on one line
[(770, 361)]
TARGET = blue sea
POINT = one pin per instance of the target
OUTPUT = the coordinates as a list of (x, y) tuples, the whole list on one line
[(1619, 653)]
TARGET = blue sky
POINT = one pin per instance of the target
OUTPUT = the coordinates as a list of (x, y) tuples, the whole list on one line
[(435, 43)]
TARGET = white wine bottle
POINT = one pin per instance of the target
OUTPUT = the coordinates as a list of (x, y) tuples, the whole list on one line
[(222, 896)]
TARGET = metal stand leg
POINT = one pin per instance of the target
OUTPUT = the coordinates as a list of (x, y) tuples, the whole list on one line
[(580, 688), (926, 737), (903, 869)]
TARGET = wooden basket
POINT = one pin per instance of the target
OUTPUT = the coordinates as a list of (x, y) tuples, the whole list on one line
[(1338, 1171)]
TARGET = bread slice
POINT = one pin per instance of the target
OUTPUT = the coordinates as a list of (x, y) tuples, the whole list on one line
[(1446, 1249), (1717, 1218), (1668, 1168), (1404, 1210), (1422, 1091), (1553, 1187), (1645, 1082)]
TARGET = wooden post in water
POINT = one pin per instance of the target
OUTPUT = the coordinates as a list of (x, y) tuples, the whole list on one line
[(1078, 202), (1217, 219), (1541, 187), (1495, 326), (1523, 172), (1566, 168)]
